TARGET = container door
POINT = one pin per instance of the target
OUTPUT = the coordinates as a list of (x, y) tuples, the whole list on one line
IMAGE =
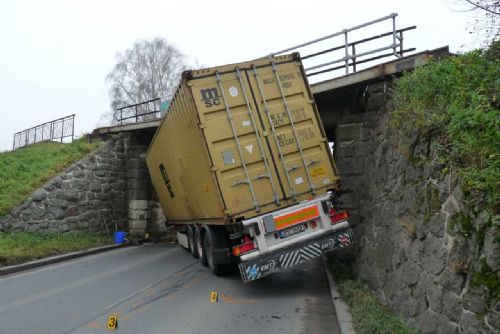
[(241, 159), (296, 136)]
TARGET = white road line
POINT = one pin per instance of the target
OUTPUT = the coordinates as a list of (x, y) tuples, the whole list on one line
[(62, 264)]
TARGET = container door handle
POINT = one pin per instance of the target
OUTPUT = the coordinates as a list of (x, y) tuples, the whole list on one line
[(240, 182)]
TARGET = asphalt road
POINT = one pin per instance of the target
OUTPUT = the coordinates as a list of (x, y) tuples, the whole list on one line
[(161, 288)]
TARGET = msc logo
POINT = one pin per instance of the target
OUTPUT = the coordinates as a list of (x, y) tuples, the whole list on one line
[(210, 96)]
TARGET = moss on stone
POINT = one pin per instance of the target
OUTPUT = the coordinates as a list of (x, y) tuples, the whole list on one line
[(429, 200), (487, 277), (461, 222)]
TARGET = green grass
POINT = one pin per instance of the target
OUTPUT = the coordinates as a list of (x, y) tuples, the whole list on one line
[(23, 247), (369, 315), (456, 102), (24, 170)]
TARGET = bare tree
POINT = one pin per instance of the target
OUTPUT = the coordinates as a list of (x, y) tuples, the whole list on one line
[(486, 20), (150, 69)]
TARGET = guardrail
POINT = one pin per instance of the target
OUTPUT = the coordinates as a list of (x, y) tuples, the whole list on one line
[(55, 130), (324, 61), (139, 112)]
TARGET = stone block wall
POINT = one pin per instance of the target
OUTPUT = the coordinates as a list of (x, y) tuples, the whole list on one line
[(139, 185), (106, 190), (404, 212), (88, 195)]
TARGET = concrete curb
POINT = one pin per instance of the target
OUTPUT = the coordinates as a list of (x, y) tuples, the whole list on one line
[(344, 317), (58, 258)]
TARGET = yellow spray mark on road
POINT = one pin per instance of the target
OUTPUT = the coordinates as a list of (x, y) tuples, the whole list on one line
[(190, 282), (231, 300), (142, 308), (95, 324)]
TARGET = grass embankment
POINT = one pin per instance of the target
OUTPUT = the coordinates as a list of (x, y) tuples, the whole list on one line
[(24, 170), (456, 102), (369, 315), (23, 247)]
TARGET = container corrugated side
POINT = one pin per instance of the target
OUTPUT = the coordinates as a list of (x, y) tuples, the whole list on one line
[(180, 167)]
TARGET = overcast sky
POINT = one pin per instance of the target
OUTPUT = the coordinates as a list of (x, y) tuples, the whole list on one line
[(55, 54)]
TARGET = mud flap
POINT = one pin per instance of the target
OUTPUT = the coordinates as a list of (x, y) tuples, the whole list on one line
[(288, 257)]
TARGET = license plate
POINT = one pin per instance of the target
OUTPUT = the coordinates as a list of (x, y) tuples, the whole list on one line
[(292, 231)]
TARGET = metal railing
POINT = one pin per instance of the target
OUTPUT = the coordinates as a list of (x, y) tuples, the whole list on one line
[(55, 130), (139, 112), (324, 60)]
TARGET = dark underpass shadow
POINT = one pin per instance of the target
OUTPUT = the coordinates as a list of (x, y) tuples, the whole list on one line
[(306, 278)]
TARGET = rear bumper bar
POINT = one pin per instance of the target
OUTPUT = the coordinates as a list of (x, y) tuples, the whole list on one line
[(288, 257)]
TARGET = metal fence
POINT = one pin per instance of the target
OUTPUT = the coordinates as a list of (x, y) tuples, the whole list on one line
[(140, 112), (323, 58), (56, 130)]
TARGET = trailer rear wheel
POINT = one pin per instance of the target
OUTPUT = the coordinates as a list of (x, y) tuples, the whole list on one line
[(214, 267), (200, 249), (191, 241)]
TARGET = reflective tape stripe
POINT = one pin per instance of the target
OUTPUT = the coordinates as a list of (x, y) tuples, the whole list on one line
[(287, 258), (296, 217)]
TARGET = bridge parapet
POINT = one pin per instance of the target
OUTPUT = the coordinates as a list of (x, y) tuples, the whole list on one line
[(372, 42)]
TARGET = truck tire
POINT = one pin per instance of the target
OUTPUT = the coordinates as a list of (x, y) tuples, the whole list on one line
[(191, 241), (199, 246), (214, 267)]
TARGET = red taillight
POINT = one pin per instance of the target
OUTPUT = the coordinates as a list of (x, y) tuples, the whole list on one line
[(243, 248), (313, 224), (336, 217)]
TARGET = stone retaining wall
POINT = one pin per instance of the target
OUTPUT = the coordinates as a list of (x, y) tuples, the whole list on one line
[(409, 249), (89, 195), (108, 189)]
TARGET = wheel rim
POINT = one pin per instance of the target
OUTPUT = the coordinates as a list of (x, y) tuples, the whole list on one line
[(208, 252), (199, 247), (191, 240)]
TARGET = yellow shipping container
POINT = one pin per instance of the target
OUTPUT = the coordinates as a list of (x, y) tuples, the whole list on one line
[(239, 141)]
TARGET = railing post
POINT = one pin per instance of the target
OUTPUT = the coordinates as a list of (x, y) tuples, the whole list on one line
[(346, 47), (136, 116), (73, 128), (401, 44), (354, 57), (51, 131), (34, 140), (62, 130), (394, 36)]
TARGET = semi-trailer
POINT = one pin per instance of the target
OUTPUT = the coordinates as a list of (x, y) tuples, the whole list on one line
[(241, 165)]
